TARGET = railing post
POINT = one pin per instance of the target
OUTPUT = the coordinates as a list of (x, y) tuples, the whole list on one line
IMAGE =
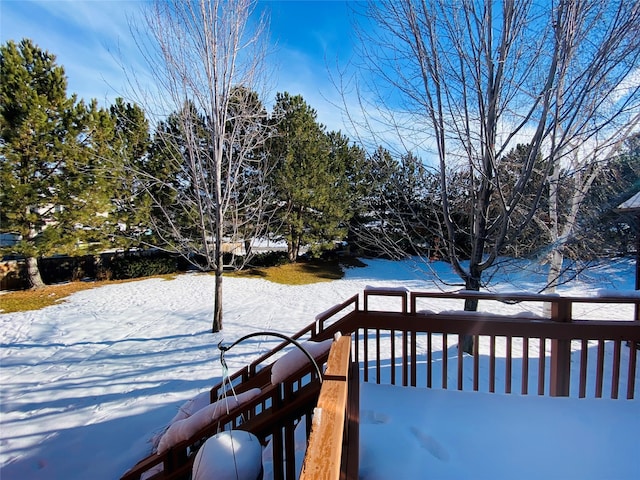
[(560, 350), (323, 459), (351, 442)]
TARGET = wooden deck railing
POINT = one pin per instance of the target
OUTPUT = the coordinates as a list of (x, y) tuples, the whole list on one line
[(413, 339), (333, 444), (550, 355), (272, 417)]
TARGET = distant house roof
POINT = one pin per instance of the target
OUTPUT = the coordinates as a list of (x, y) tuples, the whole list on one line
[(633, 204)]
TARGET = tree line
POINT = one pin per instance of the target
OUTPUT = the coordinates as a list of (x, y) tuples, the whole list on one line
[(535, 143), (79, 179)]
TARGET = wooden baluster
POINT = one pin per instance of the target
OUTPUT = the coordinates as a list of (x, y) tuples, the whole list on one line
[(541, 365), (445, 360), (615, 373), (560, 351), (584, 351), (631, 377), (600, 369), (524, 388), (507, 373), (492, 364)]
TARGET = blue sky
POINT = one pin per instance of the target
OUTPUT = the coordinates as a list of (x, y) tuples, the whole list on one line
[(89, 37)]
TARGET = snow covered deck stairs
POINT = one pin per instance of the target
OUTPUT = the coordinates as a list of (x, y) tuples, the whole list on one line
[(398, 342)]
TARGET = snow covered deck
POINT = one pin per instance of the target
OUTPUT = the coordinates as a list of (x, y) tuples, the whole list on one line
[(453, 422), (549, 420), (447, 434)]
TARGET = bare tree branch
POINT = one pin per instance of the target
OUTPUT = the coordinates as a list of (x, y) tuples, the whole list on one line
[(479, 78)]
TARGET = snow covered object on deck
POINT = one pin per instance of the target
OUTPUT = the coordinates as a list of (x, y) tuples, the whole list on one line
[(295, 358), (182, 430), (231, 455)]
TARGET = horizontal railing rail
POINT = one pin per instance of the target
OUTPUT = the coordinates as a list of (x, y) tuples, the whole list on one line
[(325, 319)]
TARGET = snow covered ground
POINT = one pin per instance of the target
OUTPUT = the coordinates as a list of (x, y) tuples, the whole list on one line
[(87, 383)]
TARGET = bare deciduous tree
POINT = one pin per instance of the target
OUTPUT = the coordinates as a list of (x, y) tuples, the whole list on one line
[(476, 78), (206, 60), (596, 108)]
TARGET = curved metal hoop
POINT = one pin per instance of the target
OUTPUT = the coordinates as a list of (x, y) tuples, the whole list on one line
[(224, 348)]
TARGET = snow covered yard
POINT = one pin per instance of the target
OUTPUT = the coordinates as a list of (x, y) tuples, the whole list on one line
[(87, 383)]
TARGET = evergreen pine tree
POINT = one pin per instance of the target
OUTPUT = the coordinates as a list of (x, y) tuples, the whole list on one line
[(310, 178), (131, 145), (52, 149)]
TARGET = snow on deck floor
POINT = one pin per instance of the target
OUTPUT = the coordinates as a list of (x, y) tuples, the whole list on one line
[(419, 433)]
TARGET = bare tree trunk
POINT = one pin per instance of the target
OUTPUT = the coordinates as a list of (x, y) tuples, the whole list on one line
[(556, 258), (217, 305), (33, 273), (471, 305)]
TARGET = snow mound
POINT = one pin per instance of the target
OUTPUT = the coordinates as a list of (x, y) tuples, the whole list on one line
[(181, 430), (295, 358), (197, 403)]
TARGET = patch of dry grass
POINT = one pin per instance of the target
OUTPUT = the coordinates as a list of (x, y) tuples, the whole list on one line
[(300, 273)]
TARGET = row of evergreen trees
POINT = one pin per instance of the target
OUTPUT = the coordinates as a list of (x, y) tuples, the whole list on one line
[(72, 172), (78, 178)]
